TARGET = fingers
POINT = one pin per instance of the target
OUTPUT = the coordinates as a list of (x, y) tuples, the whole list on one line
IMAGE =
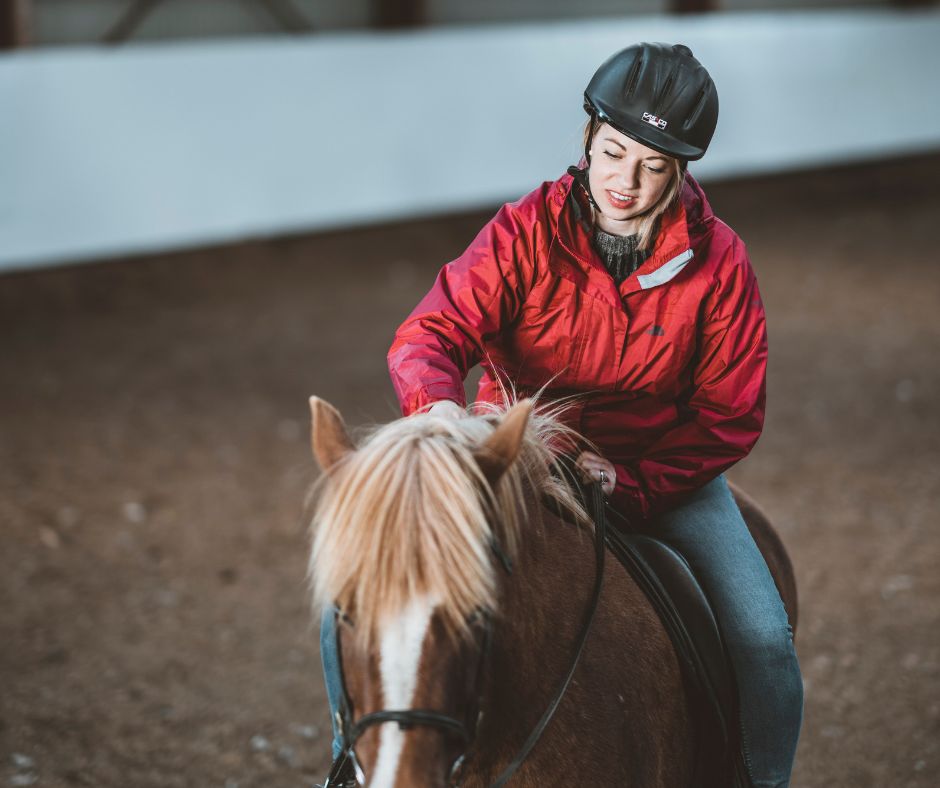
[(597, 469), (448, 409)]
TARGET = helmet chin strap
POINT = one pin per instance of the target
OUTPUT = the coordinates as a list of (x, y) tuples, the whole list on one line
[(585, 179)]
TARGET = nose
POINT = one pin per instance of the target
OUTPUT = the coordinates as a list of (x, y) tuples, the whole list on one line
[(629, 175)]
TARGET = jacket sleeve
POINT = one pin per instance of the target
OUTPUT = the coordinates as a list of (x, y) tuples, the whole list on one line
[(472, 299), (725, 408)]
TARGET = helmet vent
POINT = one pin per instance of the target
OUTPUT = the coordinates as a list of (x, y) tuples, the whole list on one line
[(663, 96), (699, 106), (633, 77)]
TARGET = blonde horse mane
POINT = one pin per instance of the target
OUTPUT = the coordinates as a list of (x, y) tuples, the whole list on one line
[(410, 513)]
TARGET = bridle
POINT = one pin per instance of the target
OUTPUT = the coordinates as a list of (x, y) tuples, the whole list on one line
[(351, 731)]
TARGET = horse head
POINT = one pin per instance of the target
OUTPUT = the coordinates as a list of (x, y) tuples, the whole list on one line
[(415, 531)]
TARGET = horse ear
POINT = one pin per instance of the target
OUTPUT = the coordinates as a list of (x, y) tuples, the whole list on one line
[(502, 447), (328, 435)]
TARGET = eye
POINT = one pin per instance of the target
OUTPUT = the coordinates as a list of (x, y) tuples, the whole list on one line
[(612, 155), (657, 170)]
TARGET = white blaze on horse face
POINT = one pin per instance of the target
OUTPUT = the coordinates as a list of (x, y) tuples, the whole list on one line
[(402, 645)]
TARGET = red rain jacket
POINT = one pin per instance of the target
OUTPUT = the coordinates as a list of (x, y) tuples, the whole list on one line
[(670, 366)]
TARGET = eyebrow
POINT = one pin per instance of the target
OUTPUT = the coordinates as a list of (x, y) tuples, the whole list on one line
[(623, 148)]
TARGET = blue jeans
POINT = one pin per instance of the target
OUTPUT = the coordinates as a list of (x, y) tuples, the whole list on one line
[(710, 533)]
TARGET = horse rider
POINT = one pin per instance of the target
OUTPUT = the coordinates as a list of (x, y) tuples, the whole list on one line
[(617, 288)]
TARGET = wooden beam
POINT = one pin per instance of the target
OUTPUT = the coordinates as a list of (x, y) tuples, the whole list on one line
[(398, 13), (288, 17), (15, 28), (130, 20), (692, 6)]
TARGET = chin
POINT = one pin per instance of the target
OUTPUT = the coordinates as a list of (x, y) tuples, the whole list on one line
[(622, 215)]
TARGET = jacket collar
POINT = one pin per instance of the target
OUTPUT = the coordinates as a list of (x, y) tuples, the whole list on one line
[(572, 254)]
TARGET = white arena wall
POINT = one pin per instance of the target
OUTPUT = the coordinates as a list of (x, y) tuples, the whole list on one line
[(150, 147)]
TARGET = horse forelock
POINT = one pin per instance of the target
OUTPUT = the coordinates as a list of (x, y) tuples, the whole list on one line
[(410, 514)]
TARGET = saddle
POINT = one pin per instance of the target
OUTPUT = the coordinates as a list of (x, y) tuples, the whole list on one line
[(667, 580), (672, 589)]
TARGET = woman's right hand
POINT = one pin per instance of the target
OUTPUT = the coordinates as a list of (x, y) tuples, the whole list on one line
[(448, 409)]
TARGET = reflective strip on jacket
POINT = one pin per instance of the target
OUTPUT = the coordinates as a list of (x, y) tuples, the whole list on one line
[(670, 367)]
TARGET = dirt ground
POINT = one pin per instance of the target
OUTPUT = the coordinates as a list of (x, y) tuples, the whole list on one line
[(154, 621)]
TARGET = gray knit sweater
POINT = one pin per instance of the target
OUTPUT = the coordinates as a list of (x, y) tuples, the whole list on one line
[(618, 253)]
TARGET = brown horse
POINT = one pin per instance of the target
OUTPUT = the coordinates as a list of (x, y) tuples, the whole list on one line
[(462, 596)]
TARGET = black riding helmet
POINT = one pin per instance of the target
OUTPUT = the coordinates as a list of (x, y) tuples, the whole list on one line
[(658, 95)]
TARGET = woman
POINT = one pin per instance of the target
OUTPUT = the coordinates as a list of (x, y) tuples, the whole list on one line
[(617, 284)]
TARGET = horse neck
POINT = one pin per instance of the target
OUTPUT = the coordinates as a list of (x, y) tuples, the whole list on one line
[(542, 608), (612, 716)]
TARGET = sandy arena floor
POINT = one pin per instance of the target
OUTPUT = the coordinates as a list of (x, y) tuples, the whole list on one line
[(154, 625)]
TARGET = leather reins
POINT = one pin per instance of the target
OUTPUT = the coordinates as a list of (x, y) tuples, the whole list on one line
[(408, 718)]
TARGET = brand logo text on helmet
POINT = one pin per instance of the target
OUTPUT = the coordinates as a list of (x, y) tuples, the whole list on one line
[(653, 120)]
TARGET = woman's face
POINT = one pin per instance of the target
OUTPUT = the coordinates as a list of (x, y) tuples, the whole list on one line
[(627, 179)]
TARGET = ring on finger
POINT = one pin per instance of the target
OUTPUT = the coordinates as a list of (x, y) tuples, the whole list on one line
[(603, 478)]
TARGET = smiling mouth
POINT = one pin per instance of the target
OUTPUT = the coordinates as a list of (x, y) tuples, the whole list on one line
[(620, 200)]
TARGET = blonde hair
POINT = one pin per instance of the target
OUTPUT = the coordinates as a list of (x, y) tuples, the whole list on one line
[(410, 513), (649, 223)]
